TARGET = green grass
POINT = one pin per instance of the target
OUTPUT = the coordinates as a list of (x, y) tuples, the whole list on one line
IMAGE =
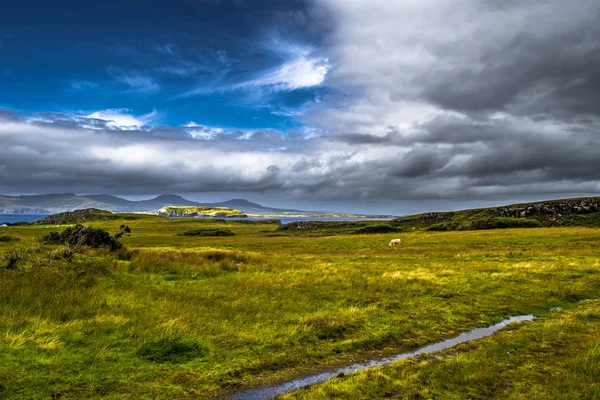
[(173, 316), (379, 228), (554, 357), (484, 223)]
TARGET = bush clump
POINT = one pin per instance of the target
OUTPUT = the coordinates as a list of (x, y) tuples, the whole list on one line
[(172, 350), (8, 238), (208, 232), (14, 256), (84, 235)]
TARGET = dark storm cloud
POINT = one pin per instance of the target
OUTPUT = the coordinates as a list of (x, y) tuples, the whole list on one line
[(360, 138), (305, 165), (555, 75), (472, 99)]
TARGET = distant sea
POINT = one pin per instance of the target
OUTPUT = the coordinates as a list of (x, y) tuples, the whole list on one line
[(12, 218), (290, 220)]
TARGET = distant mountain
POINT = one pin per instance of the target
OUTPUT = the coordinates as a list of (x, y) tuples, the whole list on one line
[(253, 208), (165, 200), (108, 199), (44, 204), (56, 203)]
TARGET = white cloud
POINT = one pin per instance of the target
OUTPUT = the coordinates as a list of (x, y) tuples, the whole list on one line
[(202, 132), (119, 118), (134, 81), (139, 83), (302, 67), (83, 85), (302, 72)]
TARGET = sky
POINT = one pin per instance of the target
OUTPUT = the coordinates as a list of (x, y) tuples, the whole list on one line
[(385, 106)]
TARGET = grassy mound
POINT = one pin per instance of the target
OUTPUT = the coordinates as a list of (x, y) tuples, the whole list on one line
[(208, 232), (565, 212), (86, 215), (78, 216)]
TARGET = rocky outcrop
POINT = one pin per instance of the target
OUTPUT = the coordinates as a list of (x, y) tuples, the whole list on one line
[(194, 211), (560, 207), (436, 216)]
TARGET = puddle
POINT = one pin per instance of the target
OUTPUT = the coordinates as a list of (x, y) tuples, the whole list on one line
[(269, 392)]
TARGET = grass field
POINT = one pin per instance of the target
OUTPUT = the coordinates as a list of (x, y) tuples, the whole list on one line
[(174, 316), (555, 357)]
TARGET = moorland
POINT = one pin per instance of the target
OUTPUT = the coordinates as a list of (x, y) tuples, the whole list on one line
[(173, 315)]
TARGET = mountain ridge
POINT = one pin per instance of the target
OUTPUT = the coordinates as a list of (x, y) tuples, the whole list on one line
[(63, 202)]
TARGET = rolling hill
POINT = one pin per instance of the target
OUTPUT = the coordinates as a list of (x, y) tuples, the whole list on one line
[(583, 211)]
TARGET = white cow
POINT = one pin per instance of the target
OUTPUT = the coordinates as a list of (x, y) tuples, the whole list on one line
[(395, 242)]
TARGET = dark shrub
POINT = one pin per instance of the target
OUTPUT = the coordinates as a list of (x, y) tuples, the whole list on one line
[(208, 232), (8, 238), (84, 236), (14, 256), (172, 350), (217, 255)]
